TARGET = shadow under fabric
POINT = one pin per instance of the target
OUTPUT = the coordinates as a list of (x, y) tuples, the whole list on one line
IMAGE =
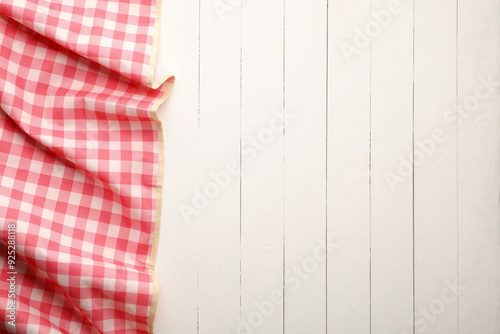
[(81, 161)]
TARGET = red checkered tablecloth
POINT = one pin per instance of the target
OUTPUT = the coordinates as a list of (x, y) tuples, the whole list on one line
[(80, 164)]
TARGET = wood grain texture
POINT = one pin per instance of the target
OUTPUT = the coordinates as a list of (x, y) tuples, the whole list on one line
[(348, 169), (262, 167), (305, 166), (435, 161), (218, 221), (478, 166), (391, 141), (292, 135), (177, 260)]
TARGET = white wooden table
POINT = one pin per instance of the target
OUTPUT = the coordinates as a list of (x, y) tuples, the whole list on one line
[(291, 200)]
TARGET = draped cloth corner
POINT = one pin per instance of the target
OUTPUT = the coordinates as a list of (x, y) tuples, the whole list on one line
[(81, 163)]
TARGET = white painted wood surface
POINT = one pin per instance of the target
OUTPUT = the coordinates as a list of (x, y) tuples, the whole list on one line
[(435, 187), (348, 157), (319, 180)]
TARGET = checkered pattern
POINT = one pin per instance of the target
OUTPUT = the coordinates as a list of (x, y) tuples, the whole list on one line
[(115, 34), (79, 171)]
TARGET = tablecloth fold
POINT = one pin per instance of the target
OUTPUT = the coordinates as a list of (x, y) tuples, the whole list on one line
[(81, 161)]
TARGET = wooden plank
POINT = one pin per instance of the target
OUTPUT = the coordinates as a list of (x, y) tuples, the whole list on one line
[(435, 151), (262, 167), (211, 272), (305, 166), (176, 264), (391, 148), (478, 166), (218, 194), (348, 296)]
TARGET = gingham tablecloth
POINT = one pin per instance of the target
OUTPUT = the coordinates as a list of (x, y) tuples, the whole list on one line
[(80, 164)]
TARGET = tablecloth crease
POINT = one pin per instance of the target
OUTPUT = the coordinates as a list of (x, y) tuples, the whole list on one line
[(81, 161)]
